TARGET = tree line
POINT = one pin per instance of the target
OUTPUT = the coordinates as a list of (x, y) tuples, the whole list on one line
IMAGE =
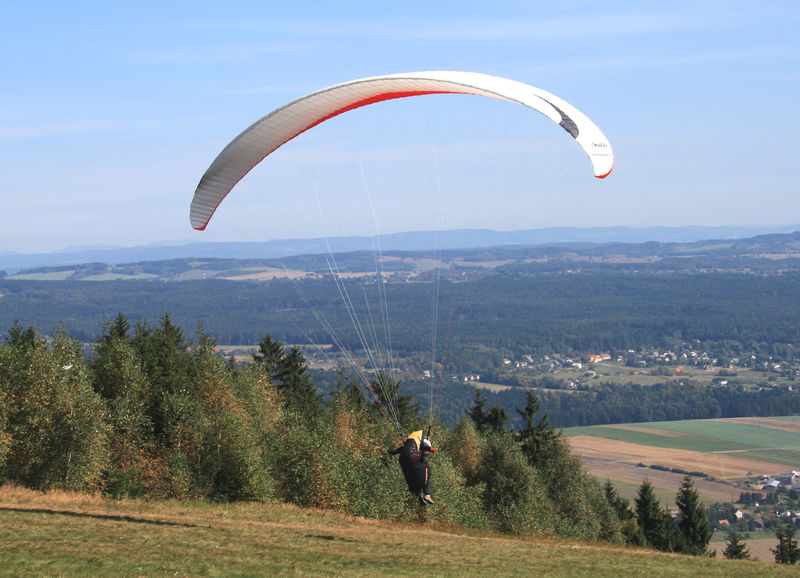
[(152, 414), (486, 315), (606, 403)]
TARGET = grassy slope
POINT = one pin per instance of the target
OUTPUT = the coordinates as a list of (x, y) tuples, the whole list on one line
[(64, 534)]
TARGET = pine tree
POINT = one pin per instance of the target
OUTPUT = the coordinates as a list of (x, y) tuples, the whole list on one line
[(493, 420), (270, 353), (620, 505), (693, 525), (787, 551), (168, 366), (348, 392), (534, 436), (118, 329), (403, 407), (734, 549), (629, 526), (654, 522), (288, 371), (294, 381), (496, 418), (477, 413)]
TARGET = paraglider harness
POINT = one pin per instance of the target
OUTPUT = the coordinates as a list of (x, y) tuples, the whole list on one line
[(414, 463)]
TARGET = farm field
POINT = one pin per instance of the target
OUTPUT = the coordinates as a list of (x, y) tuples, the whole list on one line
[(759, 545), (627, 479), (727, 450)]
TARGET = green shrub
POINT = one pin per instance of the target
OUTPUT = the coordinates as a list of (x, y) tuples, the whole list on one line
[(225, 447), (513, 494), (577, 498), (56, 431), (5, 436)]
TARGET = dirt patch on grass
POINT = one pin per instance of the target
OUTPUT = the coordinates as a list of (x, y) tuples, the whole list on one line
[(722, 466)]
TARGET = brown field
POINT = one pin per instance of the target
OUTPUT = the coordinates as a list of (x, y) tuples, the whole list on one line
[(650, 430), (393, 259), (615, 471), (268, 276), (719, 465), (495, 387), (779, 423), (760, 548)]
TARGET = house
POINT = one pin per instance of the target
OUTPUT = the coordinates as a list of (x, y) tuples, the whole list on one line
[(772, 485), (739, 514)]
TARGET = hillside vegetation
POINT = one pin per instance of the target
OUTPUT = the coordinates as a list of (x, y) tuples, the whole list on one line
[(152, 415)]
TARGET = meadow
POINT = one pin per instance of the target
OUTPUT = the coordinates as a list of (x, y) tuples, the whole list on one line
[(59, 533)]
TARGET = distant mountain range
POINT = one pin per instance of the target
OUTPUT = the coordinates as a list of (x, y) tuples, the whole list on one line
[(12, 262)]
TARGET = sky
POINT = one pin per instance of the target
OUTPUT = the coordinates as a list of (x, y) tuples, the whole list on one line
[(110, 113)]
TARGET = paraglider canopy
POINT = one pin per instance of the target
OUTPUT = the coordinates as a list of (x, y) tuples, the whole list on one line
[(284, 123)]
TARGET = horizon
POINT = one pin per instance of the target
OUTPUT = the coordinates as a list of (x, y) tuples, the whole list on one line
[(12, 262), (747, 227)]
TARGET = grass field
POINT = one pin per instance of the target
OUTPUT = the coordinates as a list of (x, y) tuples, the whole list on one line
[(725, 449), (67, 534), (730, 447), (759, 546)]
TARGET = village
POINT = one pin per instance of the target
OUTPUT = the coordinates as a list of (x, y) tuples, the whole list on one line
[(769, 502), (645, 366)]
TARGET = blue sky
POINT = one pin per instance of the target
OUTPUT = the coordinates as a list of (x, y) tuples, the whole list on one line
[(111, 112)]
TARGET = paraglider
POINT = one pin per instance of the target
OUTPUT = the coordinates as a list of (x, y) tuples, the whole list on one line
[(292, 119), (285, 123), (414, 463)]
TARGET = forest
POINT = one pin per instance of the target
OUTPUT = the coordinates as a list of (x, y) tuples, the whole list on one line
[(481, 316), (505, 314)]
